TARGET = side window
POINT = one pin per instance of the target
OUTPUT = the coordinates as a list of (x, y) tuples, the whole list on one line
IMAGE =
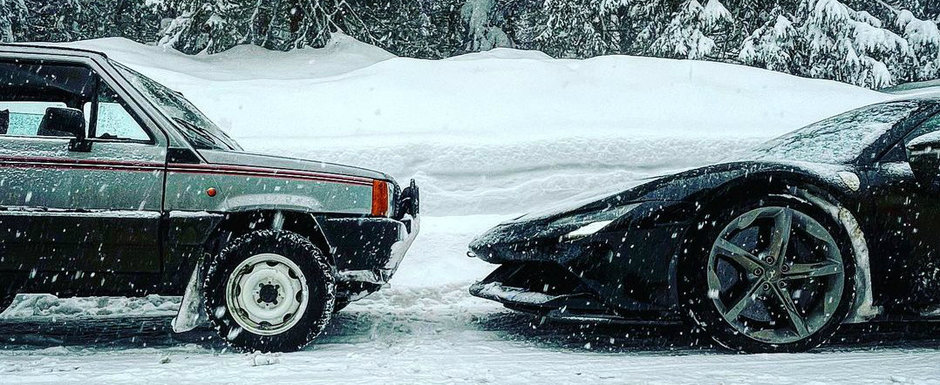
[(899, 152), (23, 118), (114, 121), (28, 89), (929, 126)]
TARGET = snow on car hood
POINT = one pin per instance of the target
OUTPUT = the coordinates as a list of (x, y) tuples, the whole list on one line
[(580, 200), (237, 158)]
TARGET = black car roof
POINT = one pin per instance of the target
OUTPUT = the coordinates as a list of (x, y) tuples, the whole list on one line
[(48, 49)]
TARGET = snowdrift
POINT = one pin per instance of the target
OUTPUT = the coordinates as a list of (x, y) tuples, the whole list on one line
[(497, 132)]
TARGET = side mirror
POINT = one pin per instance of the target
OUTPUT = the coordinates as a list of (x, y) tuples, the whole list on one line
[(923, 153), (58, 121)]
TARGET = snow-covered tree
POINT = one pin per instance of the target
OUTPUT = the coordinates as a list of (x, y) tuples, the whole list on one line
[(213, 26), (134, 19), (413, 28), (634, 25), (52, 20), (572, 29), (772, 46), (850, 46), (482, 34), (923, 36), (12, 13), (690, 33)]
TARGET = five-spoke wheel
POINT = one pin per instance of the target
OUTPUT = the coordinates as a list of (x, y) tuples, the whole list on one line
[(775, 279)]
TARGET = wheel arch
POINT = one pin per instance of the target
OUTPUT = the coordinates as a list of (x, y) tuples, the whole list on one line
[(232, 226), (238, 223), (824, 194)]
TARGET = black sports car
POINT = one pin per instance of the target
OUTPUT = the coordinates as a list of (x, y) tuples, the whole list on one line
[(838, 222)]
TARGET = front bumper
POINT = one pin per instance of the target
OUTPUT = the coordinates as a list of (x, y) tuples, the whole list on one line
[(368, 251), (384, 268), (550, 291)]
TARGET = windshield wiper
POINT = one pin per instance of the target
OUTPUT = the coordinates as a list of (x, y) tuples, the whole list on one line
[(206, 134)]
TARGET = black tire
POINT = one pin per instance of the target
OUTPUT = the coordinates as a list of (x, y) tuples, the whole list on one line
[(700, 310), (316, 271)]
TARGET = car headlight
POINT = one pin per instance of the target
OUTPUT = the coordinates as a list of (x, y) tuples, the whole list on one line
[(591, 222)]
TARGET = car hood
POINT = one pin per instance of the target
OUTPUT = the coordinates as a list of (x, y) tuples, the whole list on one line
[(684, 185), (238, 158), (577, 202)]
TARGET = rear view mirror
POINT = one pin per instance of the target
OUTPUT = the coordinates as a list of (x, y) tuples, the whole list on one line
[(923, 153), (59, 121)]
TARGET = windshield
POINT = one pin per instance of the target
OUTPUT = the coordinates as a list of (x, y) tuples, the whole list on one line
[(839, 139), (198, 129)]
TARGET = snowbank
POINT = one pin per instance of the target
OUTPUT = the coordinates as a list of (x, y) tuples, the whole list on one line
[(494, 132)]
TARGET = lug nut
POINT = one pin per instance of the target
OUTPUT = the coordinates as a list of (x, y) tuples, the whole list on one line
[(769, 259), (783, 283), (785, 268), (758, 272), (766, 287)]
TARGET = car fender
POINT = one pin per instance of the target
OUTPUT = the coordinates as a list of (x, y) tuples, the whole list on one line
[(863, 309), (820, 185)]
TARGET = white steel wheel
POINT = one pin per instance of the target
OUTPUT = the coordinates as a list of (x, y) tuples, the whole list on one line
[(270, 291), (267, 294)]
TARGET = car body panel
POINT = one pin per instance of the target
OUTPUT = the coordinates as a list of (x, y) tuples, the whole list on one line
[(251, 188), (630, 263), (137, 217), (633, 259)]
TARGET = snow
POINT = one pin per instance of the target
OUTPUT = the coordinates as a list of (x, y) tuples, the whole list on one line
[(830, 142), (493, 132), (933, 137), (488, 136)]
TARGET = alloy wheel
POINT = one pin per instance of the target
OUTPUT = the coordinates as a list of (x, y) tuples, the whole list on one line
[(776, 275)]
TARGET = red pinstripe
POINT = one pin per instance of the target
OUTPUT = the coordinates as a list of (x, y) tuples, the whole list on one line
[(246, 171)]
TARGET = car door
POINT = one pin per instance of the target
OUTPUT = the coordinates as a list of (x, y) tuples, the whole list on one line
[(924, 216), (904, 229), (65, 209)]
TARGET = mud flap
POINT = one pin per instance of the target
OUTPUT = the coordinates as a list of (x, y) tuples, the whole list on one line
[(192, 313)]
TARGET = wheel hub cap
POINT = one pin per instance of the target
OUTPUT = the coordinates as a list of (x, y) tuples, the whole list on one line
[(267, 294), (775, 275)]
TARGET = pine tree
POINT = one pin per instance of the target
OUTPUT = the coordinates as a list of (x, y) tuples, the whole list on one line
[(214, 26), (413, 28), (572, 29), (850, 46), (924, 39), (689, 33), (52, 20), (772, 46), (636, 23), (13, 14), (482, 33)]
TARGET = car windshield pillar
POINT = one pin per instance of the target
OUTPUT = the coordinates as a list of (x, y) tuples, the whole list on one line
[(198, 129)]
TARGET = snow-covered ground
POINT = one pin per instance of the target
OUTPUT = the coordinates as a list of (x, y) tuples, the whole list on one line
[(488, 136)]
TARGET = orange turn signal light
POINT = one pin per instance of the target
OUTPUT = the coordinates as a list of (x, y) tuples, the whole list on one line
[(380, 198)]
